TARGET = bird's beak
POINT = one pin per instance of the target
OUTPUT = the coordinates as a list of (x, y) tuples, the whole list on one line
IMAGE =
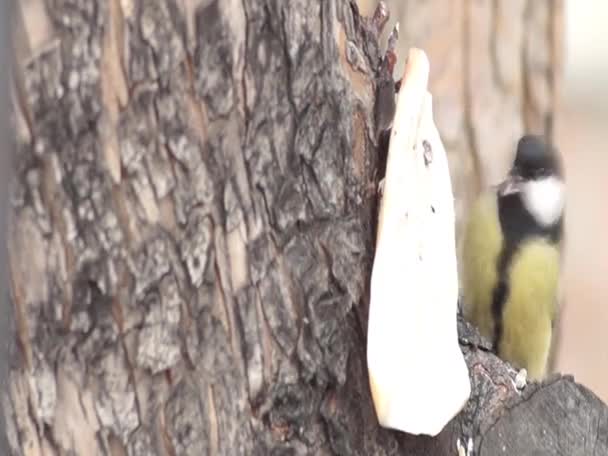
[(512, 184)]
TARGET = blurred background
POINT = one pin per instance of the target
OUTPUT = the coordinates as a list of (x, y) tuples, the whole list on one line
[(580, 48), (582, 134)]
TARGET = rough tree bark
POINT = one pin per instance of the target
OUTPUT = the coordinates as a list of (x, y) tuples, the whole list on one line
[(192, 227)]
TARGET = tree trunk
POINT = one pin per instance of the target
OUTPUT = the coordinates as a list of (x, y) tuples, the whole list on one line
[(192, 229)]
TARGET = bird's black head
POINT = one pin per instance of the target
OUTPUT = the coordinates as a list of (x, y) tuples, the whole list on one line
[(535, 184), (535, 159)]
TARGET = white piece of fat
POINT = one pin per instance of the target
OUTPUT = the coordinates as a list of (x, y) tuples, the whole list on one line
[(418, 376)]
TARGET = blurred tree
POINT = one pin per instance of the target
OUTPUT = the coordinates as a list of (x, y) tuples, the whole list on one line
[(191, 223), (495, 70)]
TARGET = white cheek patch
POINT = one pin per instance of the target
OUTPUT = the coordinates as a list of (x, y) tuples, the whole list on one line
[(544, 199)]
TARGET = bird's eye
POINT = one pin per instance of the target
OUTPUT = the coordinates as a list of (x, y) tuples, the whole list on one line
[(541, 172)]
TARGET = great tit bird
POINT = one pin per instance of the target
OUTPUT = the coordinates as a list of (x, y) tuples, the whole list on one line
[(512, 251)]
